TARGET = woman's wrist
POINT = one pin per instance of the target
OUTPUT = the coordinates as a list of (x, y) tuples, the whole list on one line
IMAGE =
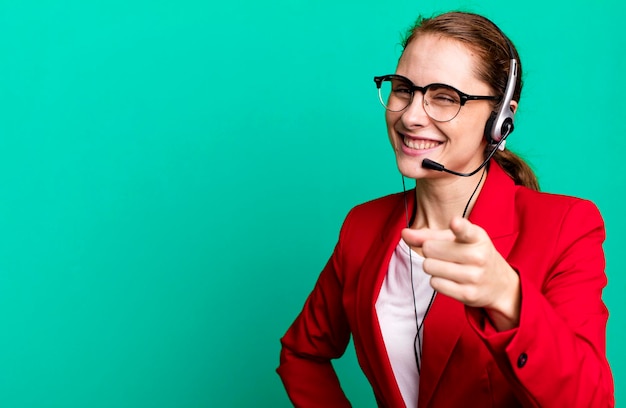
[(505, 313)]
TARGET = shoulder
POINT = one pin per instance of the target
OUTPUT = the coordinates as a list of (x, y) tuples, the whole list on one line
[(500, 189), (370, 218), (558, 210), (531, 200)]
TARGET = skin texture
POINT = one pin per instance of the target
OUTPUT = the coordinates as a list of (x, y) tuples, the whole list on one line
[(460, 256)]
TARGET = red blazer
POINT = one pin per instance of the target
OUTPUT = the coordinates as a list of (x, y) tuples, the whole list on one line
[(555, 358)]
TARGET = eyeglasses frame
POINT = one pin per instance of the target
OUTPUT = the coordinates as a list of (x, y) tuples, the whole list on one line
[(463, 97)]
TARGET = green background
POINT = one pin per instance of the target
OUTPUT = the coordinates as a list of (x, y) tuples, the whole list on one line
[(173, 176)]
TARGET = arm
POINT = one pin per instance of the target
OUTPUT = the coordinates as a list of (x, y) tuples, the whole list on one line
[(320, 333), (557, 356)]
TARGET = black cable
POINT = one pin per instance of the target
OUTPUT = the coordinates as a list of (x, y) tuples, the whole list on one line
[(417, 342)]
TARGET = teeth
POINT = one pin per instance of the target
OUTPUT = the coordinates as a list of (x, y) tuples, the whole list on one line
[(420, 144)]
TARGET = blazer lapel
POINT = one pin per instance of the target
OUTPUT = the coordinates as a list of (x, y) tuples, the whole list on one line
[(494, 211), (371, 277), (442, 328)]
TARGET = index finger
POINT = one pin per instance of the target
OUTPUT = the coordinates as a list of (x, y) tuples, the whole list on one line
[(464, 231), (416, 238)]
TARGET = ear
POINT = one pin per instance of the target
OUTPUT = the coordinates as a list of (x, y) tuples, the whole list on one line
[(514, 106)]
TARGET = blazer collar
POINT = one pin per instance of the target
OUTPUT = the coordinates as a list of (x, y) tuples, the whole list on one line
[(494, 209)]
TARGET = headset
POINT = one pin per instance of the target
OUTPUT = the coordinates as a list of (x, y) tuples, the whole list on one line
[(500, 123)]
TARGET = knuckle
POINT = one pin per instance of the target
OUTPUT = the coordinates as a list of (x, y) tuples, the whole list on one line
[(478, 258), (474, 276), (470, 295)]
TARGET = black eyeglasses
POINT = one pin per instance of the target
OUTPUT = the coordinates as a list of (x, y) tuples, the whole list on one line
[(441, 102)]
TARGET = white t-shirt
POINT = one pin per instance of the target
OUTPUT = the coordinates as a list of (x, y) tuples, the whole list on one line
[(396, 309)]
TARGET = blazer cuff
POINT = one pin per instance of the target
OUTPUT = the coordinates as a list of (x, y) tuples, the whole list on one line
[(478, 320)]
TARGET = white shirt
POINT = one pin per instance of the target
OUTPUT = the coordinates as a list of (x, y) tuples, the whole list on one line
[(396, 309)]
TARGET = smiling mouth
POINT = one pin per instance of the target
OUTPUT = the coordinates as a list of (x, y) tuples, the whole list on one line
[(419, 144)]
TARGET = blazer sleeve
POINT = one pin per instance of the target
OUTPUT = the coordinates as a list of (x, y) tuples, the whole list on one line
[(319, 334), (556, 357)]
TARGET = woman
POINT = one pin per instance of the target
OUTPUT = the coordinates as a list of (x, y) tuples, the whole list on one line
[(498, 300)]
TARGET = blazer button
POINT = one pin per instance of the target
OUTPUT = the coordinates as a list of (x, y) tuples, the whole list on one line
[(521, 360)]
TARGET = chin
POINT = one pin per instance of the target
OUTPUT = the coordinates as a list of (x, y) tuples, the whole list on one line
[(412, 169)]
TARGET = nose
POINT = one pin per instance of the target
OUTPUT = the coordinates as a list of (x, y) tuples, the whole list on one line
[(414, 114)]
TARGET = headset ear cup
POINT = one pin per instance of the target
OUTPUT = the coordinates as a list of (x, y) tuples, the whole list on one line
[(507, 127), (489, 127)]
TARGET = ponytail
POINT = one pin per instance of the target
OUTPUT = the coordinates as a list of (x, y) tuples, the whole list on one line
[(517, 169)]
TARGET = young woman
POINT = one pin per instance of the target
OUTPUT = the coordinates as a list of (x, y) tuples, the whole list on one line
[(492, 297)]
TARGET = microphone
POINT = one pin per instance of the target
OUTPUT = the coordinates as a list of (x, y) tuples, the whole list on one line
[(433, 165)]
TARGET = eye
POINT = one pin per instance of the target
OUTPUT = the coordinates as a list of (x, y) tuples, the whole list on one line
[(443, 95), (400, 89)]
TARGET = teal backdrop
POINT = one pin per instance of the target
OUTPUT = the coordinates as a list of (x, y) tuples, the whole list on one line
[(174, 174)]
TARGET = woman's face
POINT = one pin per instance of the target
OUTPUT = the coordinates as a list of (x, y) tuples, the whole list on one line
[(458, 144)]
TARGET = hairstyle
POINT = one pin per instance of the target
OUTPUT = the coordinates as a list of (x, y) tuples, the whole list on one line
[(493, 52)]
